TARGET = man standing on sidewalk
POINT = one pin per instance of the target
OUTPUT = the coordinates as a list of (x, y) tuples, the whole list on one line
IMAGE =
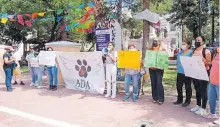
[(9, 64)]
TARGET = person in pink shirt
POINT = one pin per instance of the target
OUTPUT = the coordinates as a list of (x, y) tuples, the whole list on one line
[(214, 87)]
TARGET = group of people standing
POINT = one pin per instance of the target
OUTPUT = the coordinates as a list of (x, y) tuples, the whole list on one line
[(11, 67), (205, 90)]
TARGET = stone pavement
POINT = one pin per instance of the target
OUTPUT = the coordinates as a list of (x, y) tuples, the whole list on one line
[(27, 106)]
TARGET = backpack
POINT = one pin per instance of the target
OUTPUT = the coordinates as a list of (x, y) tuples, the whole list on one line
[(213, 53)]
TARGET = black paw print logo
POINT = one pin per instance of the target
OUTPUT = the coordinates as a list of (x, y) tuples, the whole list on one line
[(82, 68)]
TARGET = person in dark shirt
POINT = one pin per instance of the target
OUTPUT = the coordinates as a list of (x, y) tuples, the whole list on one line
[(9, 64)]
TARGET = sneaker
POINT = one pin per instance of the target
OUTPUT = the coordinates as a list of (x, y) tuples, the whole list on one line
[(107, 95), (15, 83), (32, 84), (177, 102), (54, 88), (201, 112), (211, 116), (134, 98), (195, 109), (126, 98), (9, 89), (160, 102), (39, 87), (217, 122), (51, 87), (185, 104), (154, 101), (113, 97), (22, 83)]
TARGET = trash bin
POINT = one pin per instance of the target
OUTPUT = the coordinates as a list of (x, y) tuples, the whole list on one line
[(63, 46)]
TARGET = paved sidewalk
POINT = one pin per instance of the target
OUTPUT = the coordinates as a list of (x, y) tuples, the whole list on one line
[(30, 107)]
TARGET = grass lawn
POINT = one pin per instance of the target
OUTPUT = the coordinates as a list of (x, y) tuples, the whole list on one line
[(24, 69), (169, 78)]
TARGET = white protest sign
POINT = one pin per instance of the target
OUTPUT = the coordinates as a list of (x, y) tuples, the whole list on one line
[(47, 58), (194, 67), (82, 71), (34, 62)]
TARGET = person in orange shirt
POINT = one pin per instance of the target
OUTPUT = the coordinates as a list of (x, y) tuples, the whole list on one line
[(156, 77), (214, 87)]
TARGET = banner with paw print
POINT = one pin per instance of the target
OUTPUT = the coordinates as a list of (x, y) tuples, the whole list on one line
[(83, 71)]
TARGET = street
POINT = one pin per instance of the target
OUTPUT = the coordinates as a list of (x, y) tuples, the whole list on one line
[(27, 106)]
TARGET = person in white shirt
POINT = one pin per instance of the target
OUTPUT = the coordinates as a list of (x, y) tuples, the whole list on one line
[(111, 71)]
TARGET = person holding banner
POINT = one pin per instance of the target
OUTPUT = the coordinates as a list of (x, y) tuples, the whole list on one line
[(214, 88), (111, 71), (32, 69), (53, 75), (131, 74), (9, 64), (156, 76), (201, 85), (181, 78)]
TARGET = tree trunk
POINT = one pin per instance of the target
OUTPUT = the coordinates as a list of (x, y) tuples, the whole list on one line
[(195, 32), (146, 30)]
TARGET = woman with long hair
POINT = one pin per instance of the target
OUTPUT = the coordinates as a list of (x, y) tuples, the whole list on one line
[(181, 78), (156, 76), (111, 71)]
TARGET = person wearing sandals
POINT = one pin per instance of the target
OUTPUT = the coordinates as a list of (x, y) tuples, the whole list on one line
[(181, 78), (131, 74), (156, 76), (214, 88)]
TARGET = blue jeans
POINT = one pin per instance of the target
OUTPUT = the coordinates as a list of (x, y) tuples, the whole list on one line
[(8, 77), (39, 71), (52, 73), (135, 79), (33, 74), (213, 95)]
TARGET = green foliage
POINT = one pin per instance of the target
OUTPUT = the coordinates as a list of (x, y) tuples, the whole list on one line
[(44, 28)]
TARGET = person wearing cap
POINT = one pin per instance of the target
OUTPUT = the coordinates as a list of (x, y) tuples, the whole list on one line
[(9, 63), (32, 69)]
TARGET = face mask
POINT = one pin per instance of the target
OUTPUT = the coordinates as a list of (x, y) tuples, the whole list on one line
[(197, 44), (155, 44), (183, 47)]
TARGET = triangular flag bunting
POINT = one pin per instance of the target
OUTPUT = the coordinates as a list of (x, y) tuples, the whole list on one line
[(41, 14), (20, 19), (91, 4), (28, 23), (60, 11), (4, 20), (34, 15)]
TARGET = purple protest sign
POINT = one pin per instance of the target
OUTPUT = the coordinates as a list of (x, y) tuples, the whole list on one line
[(102, 38)]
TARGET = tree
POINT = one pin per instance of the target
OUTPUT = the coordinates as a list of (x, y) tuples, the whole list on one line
[(49, 29), (186, 12)]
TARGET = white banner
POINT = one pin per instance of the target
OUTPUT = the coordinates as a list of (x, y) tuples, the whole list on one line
[(47, 58), (82, 71), (34, 62), (194, 67)]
